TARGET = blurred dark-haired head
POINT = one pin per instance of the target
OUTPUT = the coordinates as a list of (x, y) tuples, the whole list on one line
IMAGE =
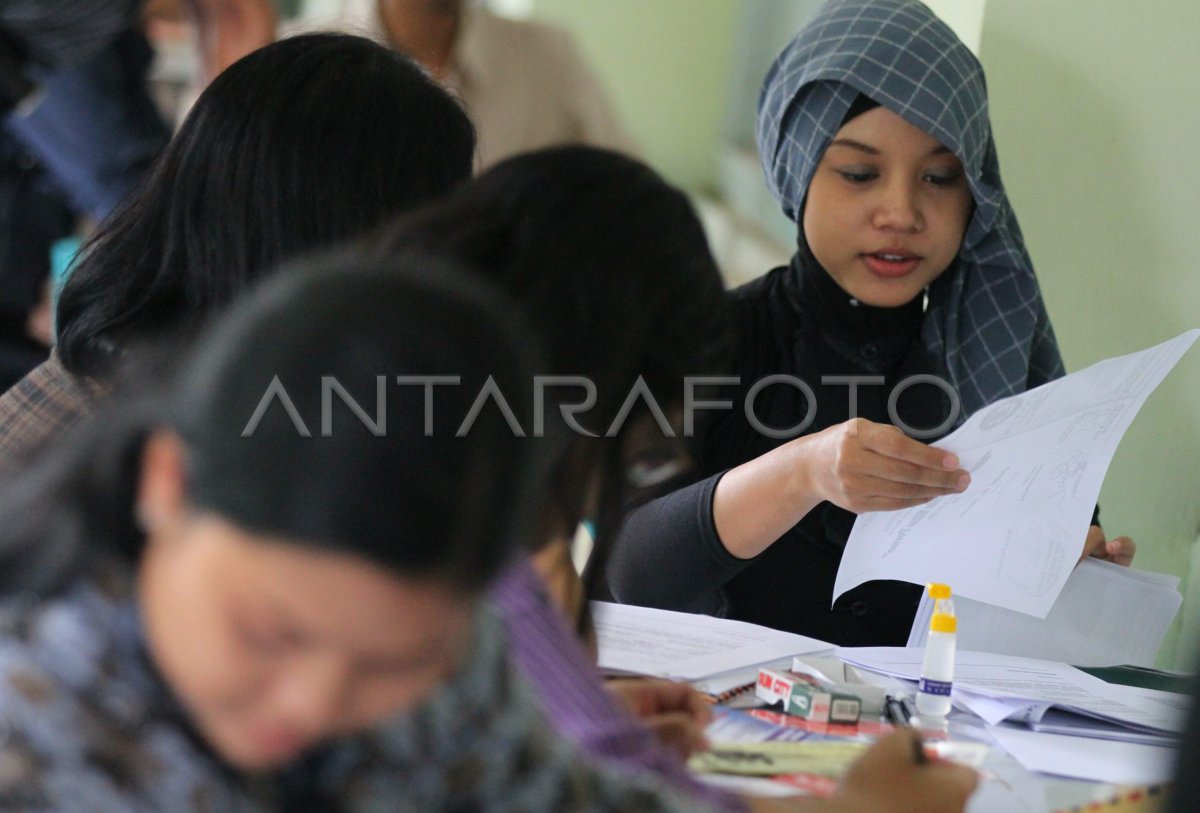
[(607, 260), (301, 144), (305, 538), (371, 465), (611, 266)]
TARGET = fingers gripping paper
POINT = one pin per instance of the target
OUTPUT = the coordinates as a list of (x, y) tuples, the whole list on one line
[(1037, 461)]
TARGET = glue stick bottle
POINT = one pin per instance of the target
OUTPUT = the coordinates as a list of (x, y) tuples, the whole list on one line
[(937, 670)]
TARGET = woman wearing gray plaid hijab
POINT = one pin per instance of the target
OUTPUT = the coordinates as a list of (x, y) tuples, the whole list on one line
[(910, 303)]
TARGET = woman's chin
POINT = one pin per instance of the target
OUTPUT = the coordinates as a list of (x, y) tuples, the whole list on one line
[(258, 751)]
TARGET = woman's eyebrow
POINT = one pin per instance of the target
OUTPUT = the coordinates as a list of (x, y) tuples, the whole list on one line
[(854, 145), (869, 150)]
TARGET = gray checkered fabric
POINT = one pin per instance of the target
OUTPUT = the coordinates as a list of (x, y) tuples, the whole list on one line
[(986, 317)]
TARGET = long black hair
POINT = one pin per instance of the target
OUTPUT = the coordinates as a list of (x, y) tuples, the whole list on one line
[(305, 467), (301, 144), (611, 265)]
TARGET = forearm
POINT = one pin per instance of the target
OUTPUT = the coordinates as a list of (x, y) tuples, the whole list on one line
[(668, 554), (759, 501), (857, 465)]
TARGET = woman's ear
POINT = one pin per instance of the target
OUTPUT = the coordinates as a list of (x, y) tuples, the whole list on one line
[(161, 499)]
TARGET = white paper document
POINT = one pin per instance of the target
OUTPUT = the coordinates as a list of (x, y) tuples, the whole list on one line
[(1024, 690), (1096, 760), (1037, 461), (1106, 615), (687, 646)]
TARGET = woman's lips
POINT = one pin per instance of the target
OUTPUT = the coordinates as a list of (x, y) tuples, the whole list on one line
[(275, 743), (891, 263)]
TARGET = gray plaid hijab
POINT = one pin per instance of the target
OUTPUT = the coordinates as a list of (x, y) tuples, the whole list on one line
[(986, 318)]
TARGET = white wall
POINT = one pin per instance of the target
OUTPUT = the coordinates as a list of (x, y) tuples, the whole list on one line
[(666, 65), (965, 17)]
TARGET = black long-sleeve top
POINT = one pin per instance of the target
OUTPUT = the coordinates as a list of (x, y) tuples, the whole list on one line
[(797, 321)]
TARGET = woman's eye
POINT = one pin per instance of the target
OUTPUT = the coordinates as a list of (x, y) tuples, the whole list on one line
[(942, 179), (264, 640), (858, 176)]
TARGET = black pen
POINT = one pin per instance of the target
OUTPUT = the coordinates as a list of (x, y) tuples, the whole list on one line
[(898, 711), (898, 714), (919, 749)]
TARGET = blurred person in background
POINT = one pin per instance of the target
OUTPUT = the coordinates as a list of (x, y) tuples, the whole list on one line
[(524, 84), (82, 126), (299, 145)]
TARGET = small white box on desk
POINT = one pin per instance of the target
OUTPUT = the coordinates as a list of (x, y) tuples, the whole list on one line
[(807, 697), (838, 676)]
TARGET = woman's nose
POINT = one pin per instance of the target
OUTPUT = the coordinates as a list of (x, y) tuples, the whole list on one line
[(314, 697), (897, 208)]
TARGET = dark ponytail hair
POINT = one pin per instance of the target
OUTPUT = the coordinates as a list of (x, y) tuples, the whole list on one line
[(420, 504), (302, 144), (611, 265)]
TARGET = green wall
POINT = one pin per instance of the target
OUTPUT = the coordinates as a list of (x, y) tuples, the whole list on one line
[(666, 65), (1097, 117)]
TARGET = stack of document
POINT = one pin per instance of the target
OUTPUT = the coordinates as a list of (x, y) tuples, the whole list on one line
[(1094, 760), (684, 646), (1053, 718), (1041, 695), (1106, 615)]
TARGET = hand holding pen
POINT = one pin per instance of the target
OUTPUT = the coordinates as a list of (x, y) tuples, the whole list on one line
[(902, 714), (896, 776)]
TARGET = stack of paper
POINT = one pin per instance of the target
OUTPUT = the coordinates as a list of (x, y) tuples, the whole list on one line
[(1043, 695), (1053, 718), (684, 646), (1117, 763), (1106, 615)]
